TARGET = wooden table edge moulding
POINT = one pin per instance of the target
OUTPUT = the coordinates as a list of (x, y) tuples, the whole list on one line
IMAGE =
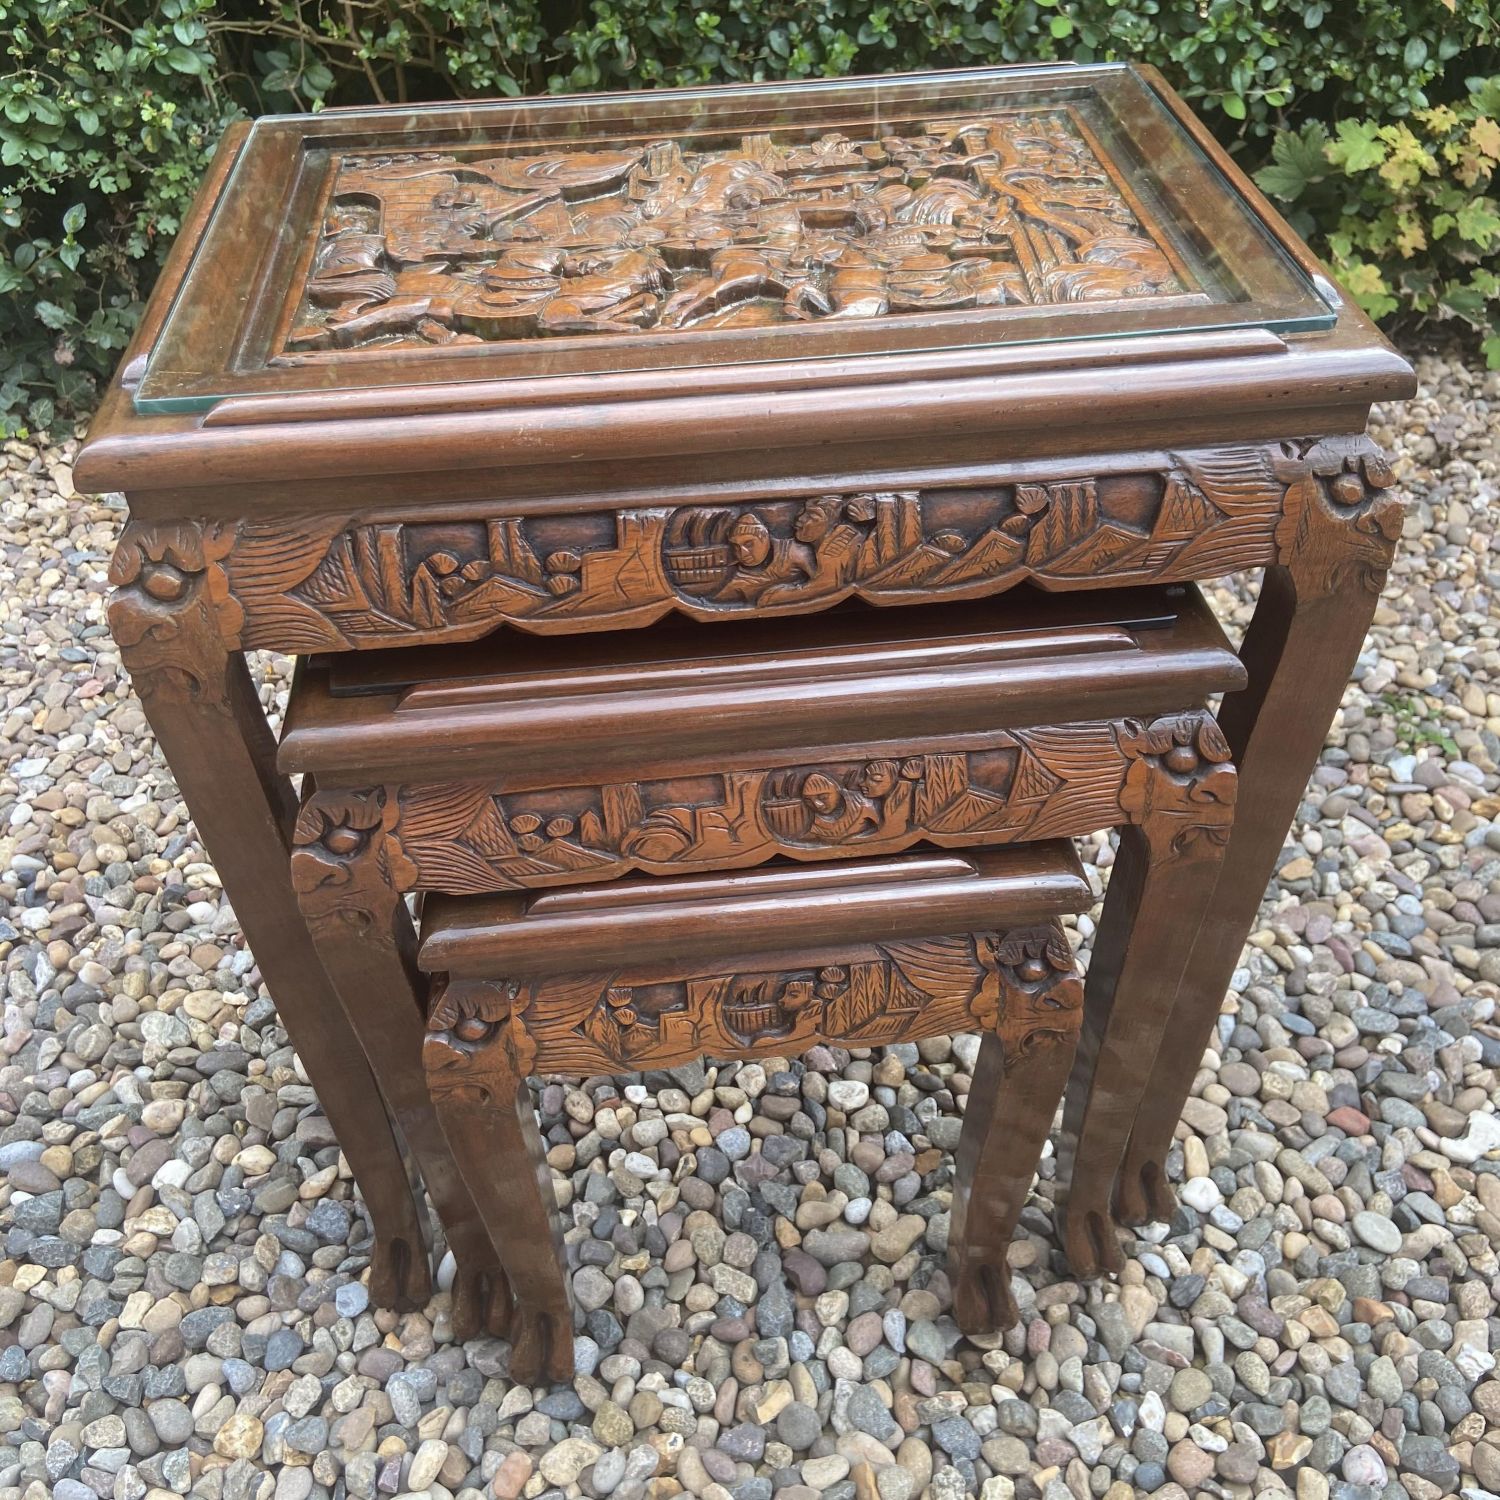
[(334, 433)]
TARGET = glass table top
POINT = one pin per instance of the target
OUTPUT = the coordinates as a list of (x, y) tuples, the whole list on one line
[(678, 228)]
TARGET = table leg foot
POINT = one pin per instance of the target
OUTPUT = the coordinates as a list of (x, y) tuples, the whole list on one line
[(481, 1301), (1142, 1193), (400, 1273), (982, 1299), (1090, 1239), (542, 1347)]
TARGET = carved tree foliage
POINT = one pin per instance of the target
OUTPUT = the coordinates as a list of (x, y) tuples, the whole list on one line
[(329, 585), (425, 249), (1022, 982)]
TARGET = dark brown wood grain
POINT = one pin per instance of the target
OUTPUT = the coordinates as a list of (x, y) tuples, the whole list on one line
[(365, 943), (655, 1007), (208, 721), (720, 431)]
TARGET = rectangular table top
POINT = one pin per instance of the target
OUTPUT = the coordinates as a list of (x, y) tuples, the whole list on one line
[(615, 233)]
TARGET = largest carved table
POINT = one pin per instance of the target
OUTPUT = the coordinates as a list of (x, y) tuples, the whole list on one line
[(569, 365)]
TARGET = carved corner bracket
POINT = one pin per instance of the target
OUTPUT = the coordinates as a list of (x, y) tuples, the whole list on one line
[(348, 874), (1181, 786), (173, 613)]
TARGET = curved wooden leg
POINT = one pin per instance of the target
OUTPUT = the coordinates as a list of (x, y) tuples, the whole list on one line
[(352, 904), (1181, 791), (485, 1107), (183, 656), (1018, 1081), (1336, 543)]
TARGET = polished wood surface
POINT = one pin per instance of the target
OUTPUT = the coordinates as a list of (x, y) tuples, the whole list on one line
[(989, 960), (415, 507)]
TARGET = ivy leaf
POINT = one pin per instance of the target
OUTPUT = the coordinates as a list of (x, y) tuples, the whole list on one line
[(1484, 136), (1297, 160), (1369, 289)]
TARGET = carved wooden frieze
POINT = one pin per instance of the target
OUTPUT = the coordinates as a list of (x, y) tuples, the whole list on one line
[(1016, 208), (1323, 508), (465, 838), (1021, 983)]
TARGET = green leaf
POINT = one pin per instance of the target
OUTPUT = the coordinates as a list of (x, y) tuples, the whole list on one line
[(1477, 222), (1358, 147), (52, 315), (1298, 159), (74, 219), (185, 60), (1233, 106)]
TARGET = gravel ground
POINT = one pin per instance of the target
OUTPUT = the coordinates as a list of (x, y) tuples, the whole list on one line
[(181, 1307)]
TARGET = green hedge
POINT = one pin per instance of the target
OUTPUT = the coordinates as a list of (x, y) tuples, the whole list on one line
[(109, 111)]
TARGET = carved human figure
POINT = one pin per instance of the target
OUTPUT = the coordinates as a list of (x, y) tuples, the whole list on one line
[(763, 561)]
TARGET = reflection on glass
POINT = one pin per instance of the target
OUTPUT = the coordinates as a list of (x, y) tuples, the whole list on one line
[(711, 227)]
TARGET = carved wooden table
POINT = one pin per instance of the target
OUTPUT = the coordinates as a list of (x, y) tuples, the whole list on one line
[(575, 364), (525, 800)]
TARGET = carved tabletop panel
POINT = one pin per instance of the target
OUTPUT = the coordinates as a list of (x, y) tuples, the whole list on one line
[(1013, 208)]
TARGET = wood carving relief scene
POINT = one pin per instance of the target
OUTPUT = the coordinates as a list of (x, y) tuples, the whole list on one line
[(424, 249), (464, 837), (456, 580), (1017, 981)]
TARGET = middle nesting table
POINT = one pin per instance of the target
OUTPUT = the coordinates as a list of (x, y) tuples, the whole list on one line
[(514, 765)]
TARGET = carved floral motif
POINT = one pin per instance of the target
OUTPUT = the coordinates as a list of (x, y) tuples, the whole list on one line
[(1181, 786), (426, 249)]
